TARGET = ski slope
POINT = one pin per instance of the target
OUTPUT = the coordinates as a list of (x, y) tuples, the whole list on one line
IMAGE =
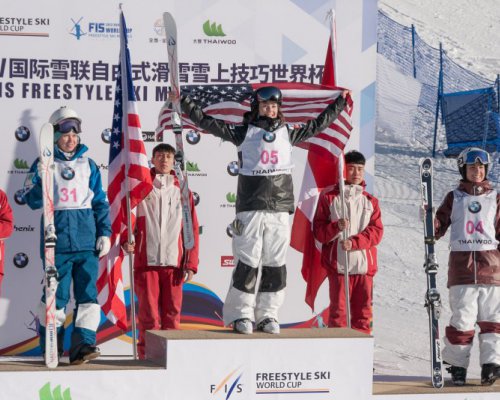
[(470, 36)]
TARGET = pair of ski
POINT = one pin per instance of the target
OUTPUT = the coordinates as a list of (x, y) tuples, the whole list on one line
[(46, 171), (432, 296), (179, 167)]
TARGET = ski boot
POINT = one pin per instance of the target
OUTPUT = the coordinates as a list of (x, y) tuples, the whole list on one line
[(86, 353), (458, 375), (489, 374), (243, 325)]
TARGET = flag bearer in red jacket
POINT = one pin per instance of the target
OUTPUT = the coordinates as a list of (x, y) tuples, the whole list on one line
[(363, 223), (161, 265)]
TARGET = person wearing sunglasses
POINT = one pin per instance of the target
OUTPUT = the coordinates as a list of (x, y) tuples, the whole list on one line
[(261, 232), (472, 213), (83, 228)]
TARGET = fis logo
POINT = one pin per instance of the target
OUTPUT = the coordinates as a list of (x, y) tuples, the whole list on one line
[(212, 29), (46, 394), (228, 386), (77, 30)]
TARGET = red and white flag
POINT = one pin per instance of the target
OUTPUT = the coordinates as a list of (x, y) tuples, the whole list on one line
[(128, 172), (320, 171)]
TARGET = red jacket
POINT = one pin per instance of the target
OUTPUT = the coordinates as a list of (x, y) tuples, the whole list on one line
[(6, 227), (158, 232), (365, 229)]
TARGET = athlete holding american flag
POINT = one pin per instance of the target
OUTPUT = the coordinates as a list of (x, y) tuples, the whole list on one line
[(264, 140)]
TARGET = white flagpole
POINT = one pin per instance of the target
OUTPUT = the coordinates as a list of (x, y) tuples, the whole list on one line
[(344, 237), (333, 40), (124, 71)]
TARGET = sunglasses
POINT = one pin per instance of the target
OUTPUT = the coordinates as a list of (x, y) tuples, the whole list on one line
[(69, 125)]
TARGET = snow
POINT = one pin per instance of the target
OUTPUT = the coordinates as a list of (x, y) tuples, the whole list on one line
[(400, 319)]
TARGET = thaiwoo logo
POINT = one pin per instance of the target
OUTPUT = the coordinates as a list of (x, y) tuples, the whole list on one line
[(215, 33), (57, 394), (21, 164), (229, 386), (20, 167), (21, 260), (233, 168), (230, 201), (212, 29), (193, 169), (227, 261)]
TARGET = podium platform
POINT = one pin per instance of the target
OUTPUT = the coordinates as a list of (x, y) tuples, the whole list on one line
[(220, 365), (323, 363)]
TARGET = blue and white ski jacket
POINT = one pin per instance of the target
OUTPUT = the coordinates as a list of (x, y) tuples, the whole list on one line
[(81, 208)]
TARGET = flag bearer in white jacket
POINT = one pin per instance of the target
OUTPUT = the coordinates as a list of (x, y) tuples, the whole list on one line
[(161, 264)]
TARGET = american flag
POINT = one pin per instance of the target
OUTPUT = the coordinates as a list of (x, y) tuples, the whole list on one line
[(128, 164), (301, 102)]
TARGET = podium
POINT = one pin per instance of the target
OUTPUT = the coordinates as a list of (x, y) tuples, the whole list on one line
[(307, 363)]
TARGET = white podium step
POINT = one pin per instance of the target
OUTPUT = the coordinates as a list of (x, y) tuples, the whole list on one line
[(309, 363)]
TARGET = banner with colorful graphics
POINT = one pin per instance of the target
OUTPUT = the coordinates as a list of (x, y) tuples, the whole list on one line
[(66, 53)]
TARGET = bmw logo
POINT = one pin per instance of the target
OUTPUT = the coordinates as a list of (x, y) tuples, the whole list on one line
[(269, 137), (22, 133), (106, 135), (68, 173), (233, 168), (20, 260), (19, 197), (474, 207), (196, 198), (193, 137), (229, 231)]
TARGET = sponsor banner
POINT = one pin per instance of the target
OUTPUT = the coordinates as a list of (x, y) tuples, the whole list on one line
[(54, 55)]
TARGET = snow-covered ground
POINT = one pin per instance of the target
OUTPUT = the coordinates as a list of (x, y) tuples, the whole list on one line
[(470, 35)]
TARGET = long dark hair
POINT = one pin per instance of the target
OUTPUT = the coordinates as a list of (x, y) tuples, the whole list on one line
[(253, 115)]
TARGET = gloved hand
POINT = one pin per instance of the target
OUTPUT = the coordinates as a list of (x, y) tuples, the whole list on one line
[(103, 244)]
